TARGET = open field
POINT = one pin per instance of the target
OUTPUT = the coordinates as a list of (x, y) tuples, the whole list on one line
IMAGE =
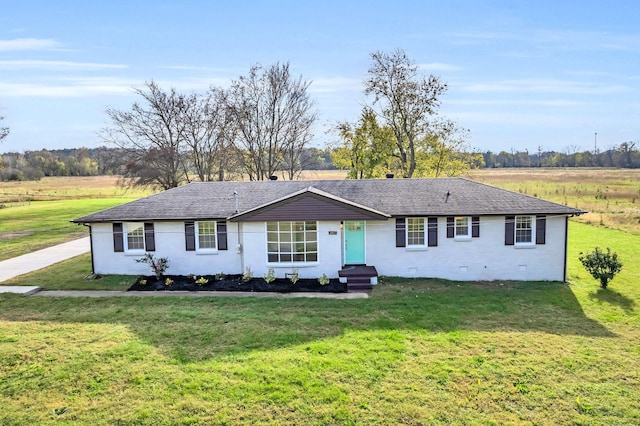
[(35, 215), (611, 196), (416, 352), (65, 188)]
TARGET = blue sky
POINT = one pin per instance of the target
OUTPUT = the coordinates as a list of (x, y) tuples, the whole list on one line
[(521, 74)]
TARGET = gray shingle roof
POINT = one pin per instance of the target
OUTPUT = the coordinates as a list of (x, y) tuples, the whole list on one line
[(395, 197)]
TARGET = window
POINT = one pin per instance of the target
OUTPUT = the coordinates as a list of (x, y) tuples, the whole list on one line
[(462, 227), (292, 241), (206, 232), (415, 231), (135, 236), (524, 230)]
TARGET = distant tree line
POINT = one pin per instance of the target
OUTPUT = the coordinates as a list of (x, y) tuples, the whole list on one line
[(624, 155), (34, 165)]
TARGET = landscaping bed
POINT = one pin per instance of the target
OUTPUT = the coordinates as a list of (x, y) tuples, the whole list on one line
[(233, 283)]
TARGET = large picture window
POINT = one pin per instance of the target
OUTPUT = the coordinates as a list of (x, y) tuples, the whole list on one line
[(292, 242), (415, 231), (524, 230)]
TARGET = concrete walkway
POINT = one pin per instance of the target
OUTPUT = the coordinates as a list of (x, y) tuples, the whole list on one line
[(42, 258), (109, 293)]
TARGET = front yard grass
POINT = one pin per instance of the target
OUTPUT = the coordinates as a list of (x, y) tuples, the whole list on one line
[(72, 274), (39, 224), (416, 352)]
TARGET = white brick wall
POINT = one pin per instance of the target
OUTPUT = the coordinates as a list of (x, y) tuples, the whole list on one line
[(484, 258)]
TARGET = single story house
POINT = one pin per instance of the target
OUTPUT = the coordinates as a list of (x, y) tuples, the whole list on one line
[(451, 228)]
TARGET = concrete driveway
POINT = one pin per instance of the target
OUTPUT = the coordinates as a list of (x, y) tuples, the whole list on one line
[(42, 258)]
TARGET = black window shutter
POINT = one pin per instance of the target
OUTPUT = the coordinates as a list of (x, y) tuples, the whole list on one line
[(222, 235), (541, 229), (450, 226), (432, 229), (509, 230), (149, 237), (118, 242), (400, 232), (475, 226), (190, 236)]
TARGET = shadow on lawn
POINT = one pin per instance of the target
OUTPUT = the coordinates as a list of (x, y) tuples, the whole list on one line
[(612, 297), (190, 329)]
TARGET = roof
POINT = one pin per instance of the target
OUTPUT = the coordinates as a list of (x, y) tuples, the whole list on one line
[(386, 197)]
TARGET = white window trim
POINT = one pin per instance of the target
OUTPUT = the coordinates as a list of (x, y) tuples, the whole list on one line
[(197, 237), (292, 264), (125, 238), (425, 235), (457, 237), (528, 244)]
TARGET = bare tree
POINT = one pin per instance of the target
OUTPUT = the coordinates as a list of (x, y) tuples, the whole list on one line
[(208, 133), (152, 135), (4, 131), (274, 116), (405, 102)]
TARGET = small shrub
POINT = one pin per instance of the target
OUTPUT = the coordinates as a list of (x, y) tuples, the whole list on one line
[(602, 266), (142, 282), (219, 276), (294, 277), (270, 276), (323, 280), (158, 265), (168, 282), (202, 281), (248, 275)]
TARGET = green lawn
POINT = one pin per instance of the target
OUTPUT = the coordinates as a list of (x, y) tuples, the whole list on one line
[(416, 352), (40, 224)]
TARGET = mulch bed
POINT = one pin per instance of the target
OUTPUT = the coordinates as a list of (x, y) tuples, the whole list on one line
[(234, 283)]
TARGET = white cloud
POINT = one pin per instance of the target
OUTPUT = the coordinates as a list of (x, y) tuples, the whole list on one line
[(545, 86), (560, 103), (66, 89), (29, 44), (438, 66), (335, 84), (57, 65), (558, 40)]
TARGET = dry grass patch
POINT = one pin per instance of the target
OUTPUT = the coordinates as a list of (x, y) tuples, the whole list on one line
[(611, 196)]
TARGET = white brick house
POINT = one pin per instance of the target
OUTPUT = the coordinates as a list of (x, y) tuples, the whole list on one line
[(451, 228)]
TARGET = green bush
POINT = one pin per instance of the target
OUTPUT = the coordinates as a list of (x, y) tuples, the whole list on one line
[(602, 266)]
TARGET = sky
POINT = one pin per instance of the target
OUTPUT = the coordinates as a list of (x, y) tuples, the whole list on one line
[(555, 75)]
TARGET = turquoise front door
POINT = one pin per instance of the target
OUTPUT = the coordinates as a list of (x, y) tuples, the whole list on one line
[(354, 243)]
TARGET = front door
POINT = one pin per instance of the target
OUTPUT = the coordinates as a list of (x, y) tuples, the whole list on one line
[(354, 243)]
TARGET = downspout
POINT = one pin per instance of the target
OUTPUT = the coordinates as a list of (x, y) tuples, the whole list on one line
[(566, 246), (93, 268)]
